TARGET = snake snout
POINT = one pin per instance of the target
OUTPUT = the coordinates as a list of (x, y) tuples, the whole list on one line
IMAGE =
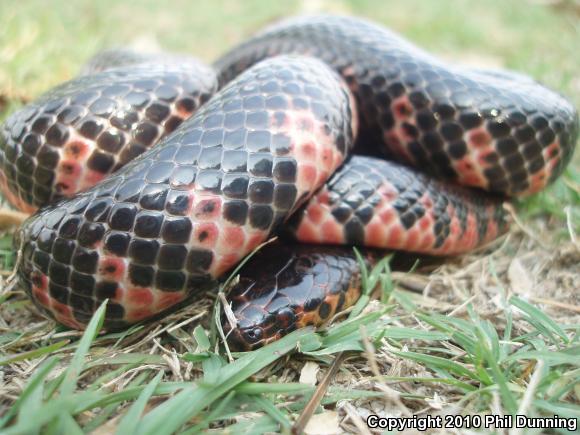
[(246, 338)]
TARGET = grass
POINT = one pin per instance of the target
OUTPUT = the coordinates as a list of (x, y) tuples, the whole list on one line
[(462, 358), (496, 331)]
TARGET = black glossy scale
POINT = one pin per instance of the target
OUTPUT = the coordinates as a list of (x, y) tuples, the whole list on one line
[(280, 282), (360, 178), (143, 213), (118, 110), (229, 150), (445, 102)]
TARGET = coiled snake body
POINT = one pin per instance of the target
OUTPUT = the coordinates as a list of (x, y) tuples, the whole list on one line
[(271, 150)]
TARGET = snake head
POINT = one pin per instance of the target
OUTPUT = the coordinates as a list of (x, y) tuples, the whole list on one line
[(245, 339)]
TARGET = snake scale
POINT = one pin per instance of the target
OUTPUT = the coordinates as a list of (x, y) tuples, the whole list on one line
[(152, 176)]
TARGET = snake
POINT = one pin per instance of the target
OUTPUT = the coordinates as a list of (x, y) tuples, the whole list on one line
[(149, 177)]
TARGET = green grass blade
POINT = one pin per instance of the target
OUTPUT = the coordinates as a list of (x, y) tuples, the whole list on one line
[(129, 423), (438, 362), (539, 319), (215, 414), (251, 388), (550, 357), (101, 418), (567, 410), (201, 338), (68, 426), (171, 415), (32, 354), (508, 399), (270, 409), (35, 381), (78, 360), (49, 411), (400, 333), (86, 402)]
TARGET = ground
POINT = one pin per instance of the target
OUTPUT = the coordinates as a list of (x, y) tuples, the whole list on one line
[(494, 332)]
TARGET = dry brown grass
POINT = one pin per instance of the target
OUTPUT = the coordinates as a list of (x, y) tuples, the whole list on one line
[(545, 274), (538, 260)]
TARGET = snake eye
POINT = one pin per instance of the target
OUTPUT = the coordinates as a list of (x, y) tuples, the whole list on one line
[(254, 334)]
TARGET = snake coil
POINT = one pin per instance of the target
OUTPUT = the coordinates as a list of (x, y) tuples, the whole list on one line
[(141, 203)]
